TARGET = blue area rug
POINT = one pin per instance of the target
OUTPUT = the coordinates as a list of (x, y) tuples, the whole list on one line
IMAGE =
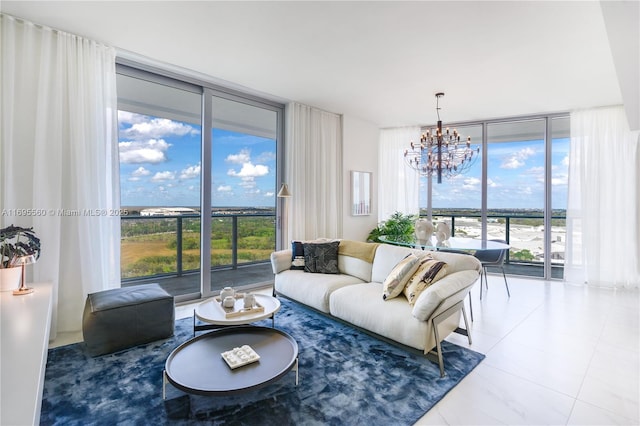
[(346, 378)]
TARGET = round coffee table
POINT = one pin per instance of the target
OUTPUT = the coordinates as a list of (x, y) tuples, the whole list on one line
[(211, 312), (197, 366)]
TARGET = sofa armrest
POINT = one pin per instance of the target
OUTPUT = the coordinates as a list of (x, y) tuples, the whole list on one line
[(281, 260), (432, 298)]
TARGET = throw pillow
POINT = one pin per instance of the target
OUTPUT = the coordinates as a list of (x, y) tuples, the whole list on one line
[(321, 257), (428, 272), (398, 277), (297, 255)]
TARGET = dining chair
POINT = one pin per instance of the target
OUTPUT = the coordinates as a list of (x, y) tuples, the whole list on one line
[(494, 258)]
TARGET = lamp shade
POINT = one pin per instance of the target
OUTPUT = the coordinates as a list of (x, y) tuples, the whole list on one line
[(284, 191)]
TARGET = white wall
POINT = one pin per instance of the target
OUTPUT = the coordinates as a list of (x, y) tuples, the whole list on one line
[(360, 152)]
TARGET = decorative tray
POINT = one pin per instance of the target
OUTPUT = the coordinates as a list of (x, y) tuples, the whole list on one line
[(238, 310), (237, 357)]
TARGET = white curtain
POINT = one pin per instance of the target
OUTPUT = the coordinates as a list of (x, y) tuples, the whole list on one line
[(400, 187), (59, 158), (313, 173), (603, 236)]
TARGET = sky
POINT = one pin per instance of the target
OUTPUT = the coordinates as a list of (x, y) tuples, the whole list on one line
[(515, 179), (160, 165)]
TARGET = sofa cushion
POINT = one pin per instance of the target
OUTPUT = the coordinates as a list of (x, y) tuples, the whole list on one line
[(435, 294), (362, 306), (297, 255), (399, 275), (321, 257), (356, 267), (311, 289), (386, 258), (356, 258), (428, 272), (456, 262)]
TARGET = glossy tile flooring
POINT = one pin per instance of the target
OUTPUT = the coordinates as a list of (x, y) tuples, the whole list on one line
[(557, 354)]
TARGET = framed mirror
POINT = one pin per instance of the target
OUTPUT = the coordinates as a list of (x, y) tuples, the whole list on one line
[(360, 193)]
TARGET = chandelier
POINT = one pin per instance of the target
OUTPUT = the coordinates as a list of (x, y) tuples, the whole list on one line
[(441, 152)]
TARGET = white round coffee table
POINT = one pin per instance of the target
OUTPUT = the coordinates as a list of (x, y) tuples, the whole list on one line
[(214, 315)]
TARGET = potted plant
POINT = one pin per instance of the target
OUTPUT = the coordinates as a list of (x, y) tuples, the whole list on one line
[(15, 242), (399, 227)]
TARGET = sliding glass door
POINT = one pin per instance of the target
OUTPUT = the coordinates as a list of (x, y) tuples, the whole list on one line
[(244, 141), (515, 191), (159, 148), (197, 200)]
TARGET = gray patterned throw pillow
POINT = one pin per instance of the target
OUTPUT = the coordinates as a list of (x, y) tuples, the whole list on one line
[(321, 257)]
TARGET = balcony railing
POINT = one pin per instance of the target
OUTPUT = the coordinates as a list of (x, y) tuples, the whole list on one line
[(169, 246), (525, 234), (157, 246)]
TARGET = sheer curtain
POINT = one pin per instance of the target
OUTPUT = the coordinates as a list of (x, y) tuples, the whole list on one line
[(399, 188), (59, 157), (603, 237), (313, 173)]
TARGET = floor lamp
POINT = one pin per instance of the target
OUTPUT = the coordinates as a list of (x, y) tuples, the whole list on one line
[(284, 193)]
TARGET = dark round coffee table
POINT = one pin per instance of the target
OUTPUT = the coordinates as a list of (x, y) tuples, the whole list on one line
[(197, 366)]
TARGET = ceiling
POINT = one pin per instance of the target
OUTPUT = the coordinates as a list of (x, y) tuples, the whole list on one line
[(379, 61)]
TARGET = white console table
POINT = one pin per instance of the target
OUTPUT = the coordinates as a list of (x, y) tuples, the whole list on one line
[(24, 342)]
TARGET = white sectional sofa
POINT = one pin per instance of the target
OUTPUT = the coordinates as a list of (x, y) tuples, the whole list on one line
[(355, 294)]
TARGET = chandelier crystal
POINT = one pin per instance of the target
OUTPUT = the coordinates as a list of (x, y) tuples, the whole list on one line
[(441, 152)]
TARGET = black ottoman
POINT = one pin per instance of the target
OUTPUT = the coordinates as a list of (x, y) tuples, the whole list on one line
[(124, 317)]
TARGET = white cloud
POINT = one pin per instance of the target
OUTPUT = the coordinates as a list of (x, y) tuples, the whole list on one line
[(560, 179), (140, 171), (471, 183), (244, 156), (156, 128), (126, 117), (163, 176), (565, 161), (492, 184), (224, 188), (265, 157), (517, 159), (190, 172), (150, 151), (249, 170), (269, 194)]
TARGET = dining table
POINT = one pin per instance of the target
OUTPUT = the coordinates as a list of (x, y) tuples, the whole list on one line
[(452, 243)]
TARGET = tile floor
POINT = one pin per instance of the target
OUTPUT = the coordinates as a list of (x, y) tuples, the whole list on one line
[(556, 354)]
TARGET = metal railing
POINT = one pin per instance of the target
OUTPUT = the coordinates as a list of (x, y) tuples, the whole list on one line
[(228, 238), (508, 220), (225, 236)]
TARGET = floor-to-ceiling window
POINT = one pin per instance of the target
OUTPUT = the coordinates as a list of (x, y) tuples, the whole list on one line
[(196, 200), (243, 189), (516, 189), (457, 201), (524, 170)]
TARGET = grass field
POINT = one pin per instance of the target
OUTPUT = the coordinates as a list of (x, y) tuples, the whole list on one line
[(151, 254)]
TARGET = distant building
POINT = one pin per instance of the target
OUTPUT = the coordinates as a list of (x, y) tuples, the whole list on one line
[(167, 211)]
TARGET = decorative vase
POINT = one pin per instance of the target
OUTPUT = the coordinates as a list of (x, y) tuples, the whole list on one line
[(423, 230), (10, 278), (227, 292), (444, 229)]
